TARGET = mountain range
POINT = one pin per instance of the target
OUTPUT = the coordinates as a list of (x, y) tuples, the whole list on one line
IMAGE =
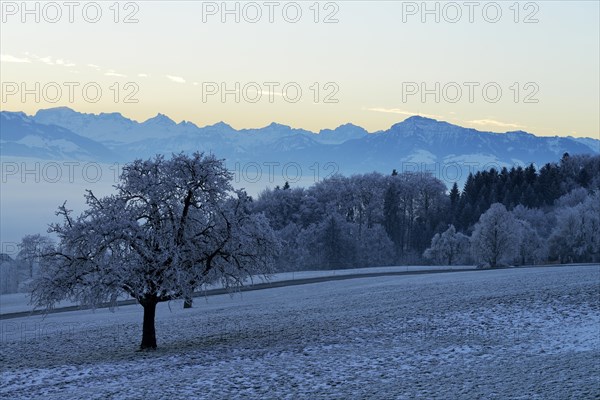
[(64, 134)]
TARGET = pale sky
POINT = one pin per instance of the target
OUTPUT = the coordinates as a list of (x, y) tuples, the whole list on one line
[(375, 61)]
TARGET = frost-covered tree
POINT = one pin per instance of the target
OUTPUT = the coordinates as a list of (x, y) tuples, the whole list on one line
[(330, 244), (30, 250), (338, 246), (532, 249), (290, 258), (412, 204), (449, 247), (496, 236), (171, 227), (571, 199), (576, 237), (374, 248), (391, 214), (9, 274), (542, 222)]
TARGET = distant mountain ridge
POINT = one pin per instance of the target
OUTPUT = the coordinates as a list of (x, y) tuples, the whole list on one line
[(22, 136), (62, 133)]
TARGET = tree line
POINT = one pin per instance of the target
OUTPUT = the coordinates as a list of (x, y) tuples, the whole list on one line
[(373, 219)]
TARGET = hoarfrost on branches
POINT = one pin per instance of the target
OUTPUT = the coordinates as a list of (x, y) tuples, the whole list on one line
[(171, 227)]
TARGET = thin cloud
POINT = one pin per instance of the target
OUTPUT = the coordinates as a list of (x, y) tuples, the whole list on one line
[(111, 72), (176, 79), (12, 59), (403, 112), (93, 66), (143, 75), (46, 60), (492, 122), (63, 63)]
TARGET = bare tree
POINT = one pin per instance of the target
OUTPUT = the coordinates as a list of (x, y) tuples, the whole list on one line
[(171, 227)]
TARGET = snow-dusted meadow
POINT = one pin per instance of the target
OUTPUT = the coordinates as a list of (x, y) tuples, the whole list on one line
[(20, 302), (513, 333)]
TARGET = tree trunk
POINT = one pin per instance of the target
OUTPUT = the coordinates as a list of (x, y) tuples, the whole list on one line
[(149, 333), (188, 303)]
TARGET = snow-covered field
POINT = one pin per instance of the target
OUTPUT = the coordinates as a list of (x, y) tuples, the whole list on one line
[(20, 302), (529, 333)]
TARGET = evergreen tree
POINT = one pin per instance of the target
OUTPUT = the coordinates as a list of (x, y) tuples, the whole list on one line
[(548, 185), (454, 196)]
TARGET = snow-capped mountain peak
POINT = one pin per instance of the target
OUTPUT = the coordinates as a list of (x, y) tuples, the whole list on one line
[(160, 120)]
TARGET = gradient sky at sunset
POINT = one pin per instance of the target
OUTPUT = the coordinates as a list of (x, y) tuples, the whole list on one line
[(374, 51)]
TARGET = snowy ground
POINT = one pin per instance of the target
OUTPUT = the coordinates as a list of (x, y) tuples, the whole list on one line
[(528, 333), (20, 302)]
